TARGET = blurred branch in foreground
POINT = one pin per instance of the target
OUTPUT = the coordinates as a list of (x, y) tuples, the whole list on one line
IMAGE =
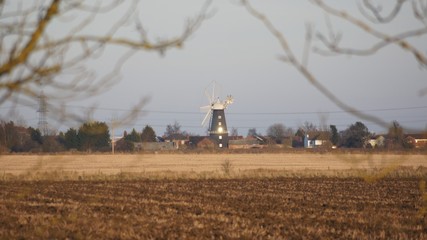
[(50, 46), (332, 40), (383, 39)]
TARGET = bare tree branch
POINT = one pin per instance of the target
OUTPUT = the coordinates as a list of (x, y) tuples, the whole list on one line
[(331, 40), (333, 46), (376, 11), (32, 58), (399, 39), (307, 45), (420, 11), (22, 57), (298, 65)]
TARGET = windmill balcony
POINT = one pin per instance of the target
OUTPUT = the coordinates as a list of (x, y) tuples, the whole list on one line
[(218, 132)]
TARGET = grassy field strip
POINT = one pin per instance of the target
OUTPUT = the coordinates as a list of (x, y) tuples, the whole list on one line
[(113, 164)]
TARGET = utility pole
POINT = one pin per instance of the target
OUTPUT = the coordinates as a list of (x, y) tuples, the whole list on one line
[(113, 142), (42, 124)]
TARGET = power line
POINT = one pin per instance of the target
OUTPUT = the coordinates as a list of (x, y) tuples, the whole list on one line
[(330, 112), (247, 113), (262, 113), (246, 122)]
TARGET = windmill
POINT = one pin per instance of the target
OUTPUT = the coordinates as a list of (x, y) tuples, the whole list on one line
[(217, 129)]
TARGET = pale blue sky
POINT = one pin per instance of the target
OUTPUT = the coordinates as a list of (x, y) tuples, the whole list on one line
[(235, 49)]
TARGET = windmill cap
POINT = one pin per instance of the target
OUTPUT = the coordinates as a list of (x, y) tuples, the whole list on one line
[(218, 106)]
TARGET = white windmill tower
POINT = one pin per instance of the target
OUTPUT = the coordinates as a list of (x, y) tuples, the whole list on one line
[(215, 113)]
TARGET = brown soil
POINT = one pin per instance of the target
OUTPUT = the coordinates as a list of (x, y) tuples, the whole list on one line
[(275, 208)]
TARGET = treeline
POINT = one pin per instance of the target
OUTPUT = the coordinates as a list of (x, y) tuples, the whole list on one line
[(93, 136), (126, 144), (356, 135)]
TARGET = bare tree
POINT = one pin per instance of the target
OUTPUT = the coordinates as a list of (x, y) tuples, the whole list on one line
[(252, 132), (373, 16), (234, 132), (309, 127), (34, 57), (278, 132), (174, 130)]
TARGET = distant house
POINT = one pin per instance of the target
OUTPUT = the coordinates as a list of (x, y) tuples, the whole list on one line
[(202, 142), (246, 143), (235, 137), (154, 146), (420, 139), (317, 139), (377, 141), (206, 143), (261, 140), (178, 140)]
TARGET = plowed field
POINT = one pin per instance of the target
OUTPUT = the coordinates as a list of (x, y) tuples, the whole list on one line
[(265, 208)]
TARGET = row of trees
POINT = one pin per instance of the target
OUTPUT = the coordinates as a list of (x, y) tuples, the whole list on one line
[(357, 135), (147, 135), (127, 143), (16, 138), (92, 136), (95, 136)]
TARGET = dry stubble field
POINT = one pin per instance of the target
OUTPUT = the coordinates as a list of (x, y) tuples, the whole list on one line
[(211, 164), (100, 201)]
